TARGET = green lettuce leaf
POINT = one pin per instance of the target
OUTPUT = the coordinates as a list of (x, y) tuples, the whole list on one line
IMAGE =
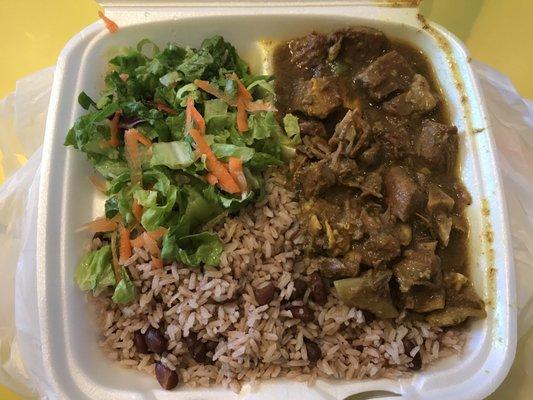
[(174, 155), (290, 123), (153, 217), (225, 150), (195, 64), (202, 248), (125, 290), (95, 271), (111, 169)]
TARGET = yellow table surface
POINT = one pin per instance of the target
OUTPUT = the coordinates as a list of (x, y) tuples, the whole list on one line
[(497, 32)]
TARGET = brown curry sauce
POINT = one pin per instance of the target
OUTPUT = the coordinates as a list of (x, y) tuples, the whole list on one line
[(321, 78)]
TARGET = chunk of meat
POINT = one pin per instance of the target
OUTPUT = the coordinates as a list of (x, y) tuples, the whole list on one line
[(350, 135), (437, 145), (371, 156), (380, 247), (330, 267), (403, 195), (308, 51), (332, 227), (357, 45), (419, 267), (393, 137), (311, 127), (424, 299), (314, 178), (369, 292), (388, 74), (418, 99), (439, 201), (459, 306), (317, 97), (439, 206), (314, 147), (345, 168)]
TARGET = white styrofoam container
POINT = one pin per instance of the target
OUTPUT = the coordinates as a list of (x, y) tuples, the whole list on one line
[(78, 369)]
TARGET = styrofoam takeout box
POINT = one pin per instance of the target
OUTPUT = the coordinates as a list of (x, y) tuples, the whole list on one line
[(77, 368)]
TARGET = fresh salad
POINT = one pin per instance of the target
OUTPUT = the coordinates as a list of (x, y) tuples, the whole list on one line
[(179, 139)]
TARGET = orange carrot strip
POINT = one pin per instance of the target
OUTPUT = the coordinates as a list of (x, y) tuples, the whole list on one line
[(258, 105), (131, 137), (139, 137), (157, 263), (243, 98), (236, 171), (98, 183), (109, 24), (165, 108), (114, 258), (125, 245), (150, 244), (242, 92), (213, 90), (214, 166), (137, 210), (211, 179), (137, 242), (114, 129), (192, 114), (158, 233), (99, 225), (242, 118)]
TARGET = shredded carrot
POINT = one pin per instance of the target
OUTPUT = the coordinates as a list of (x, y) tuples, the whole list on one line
[(125, 245), (158, 233), (139, 137), (242, 118), (98, 183), (114, 129), (150, 244), (211, 179), (163, 107), (236, 171), (251, 106), (255, 106), (242, 92), (109, 24), (99, 225), (137, 242), (157, 263), (192, 114), (243, 98), (225, 180), (213, 90), (114, 258), (131, 137), (137, 210)]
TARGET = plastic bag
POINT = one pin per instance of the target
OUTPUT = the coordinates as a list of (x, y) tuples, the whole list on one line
[(512, 125)]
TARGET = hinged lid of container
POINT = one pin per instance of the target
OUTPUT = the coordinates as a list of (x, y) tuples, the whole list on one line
[(133, 12)]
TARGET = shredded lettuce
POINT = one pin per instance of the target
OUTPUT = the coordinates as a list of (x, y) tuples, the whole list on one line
[(95, 271), (125, 290), (174, 155)]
